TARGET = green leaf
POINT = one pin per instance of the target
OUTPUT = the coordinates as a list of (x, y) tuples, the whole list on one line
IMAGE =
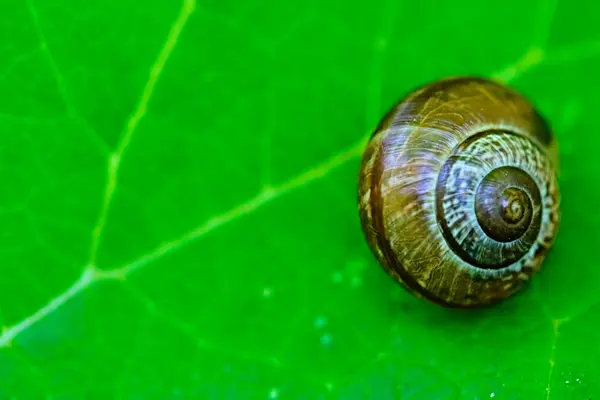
[(179, 214)]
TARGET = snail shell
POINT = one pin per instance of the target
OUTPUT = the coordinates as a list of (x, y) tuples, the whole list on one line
[(458, 194)]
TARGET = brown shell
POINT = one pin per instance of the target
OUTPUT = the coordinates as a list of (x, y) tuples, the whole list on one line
[(405, 196)]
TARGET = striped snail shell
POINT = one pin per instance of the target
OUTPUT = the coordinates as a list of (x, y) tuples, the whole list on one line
[(458, 194)]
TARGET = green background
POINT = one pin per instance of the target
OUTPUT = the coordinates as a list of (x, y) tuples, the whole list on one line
[(178, 201)]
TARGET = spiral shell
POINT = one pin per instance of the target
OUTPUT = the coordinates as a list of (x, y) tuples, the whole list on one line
[(458, 192)]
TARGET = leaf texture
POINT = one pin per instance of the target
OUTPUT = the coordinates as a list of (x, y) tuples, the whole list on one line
[(178, 201)]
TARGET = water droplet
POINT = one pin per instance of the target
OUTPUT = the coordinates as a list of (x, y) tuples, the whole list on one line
[(326, 339), (267, 292), (337, 277), (356, 281), (320, 322), (492, 394), (274, 393)]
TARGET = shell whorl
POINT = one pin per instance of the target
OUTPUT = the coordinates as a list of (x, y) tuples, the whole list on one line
[(457, 194)]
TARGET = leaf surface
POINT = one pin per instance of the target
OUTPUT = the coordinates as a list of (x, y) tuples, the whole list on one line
[(179, 201)]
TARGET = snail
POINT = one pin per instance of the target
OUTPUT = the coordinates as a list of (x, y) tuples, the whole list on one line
[(458, 192)]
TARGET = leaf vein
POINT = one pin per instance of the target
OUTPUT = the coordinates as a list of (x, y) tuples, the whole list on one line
[(556, 323), (91, 274), (380, 50), (114, 160), (72, 111), (532, 58), (265, 196), (83, 282)]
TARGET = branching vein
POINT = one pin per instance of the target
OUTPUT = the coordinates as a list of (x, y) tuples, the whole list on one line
[(380, 49), (91, 274), (530, 59), (556, 323), (114, 160), (265, 196), (545, 19), (44, 45), (59, 78)]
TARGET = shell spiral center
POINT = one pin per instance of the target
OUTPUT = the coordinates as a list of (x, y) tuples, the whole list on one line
[(490, 198)]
